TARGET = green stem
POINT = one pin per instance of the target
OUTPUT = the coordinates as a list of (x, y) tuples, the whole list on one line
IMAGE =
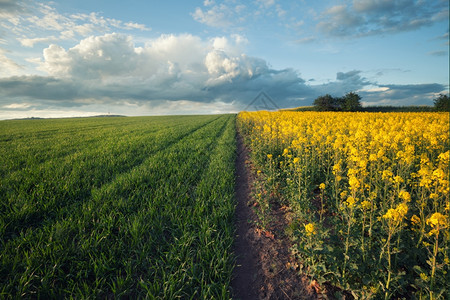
[(321, 207), (362, 236), (346, 248), (433, 262), (386, 294)]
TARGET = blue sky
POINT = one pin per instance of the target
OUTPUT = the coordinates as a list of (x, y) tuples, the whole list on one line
[(83, 57)]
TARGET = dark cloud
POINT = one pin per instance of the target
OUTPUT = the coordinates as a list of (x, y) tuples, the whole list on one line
[(369, 17), (403, 95), (38, 87), (402, 91), (345, 82), (351, 75), (12, 6)]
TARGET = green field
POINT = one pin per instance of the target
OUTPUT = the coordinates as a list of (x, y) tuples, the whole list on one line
[(117, 207)]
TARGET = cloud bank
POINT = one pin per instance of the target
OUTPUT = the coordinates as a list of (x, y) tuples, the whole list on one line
[(111, 69), (183, 69)]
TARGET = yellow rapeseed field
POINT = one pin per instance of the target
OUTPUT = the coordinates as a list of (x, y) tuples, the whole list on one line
[(372, 187)]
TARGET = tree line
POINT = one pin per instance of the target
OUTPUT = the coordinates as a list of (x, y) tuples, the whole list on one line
[(352, 102)]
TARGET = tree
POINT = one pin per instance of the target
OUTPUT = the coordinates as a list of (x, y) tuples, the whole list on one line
[(442, 103), (350, 102), (325, 103)]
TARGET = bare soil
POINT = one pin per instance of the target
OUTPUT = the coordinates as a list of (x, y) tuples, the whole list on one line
[(264, 267)]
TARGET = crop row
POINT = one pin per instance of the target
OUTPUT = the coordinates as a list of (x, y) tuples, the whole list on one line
[(126, 207)]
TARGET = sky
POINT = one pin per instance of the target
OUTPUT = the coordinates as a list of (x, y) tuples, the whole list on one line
[(68, 58)]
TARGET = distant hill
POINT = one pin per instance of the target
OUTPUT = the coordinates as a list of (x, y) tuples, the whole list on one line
[(106, 116), (97, 116), (300, 108), (29, 118)]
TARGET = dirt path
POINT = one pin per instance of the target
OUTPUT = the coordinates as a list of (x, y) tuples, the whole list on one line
[(262, 266)]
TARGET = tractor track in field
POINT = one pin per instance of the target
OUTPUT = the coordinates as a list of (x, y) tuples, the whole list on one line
[(262, 258)]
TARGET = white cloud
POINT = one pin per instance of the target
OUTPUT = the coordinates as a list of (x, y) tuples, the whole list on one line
[(265, 3), (280, 11), (30, 42), (8, 67), (217, 16), (49, 19), (208, 2), (374, 89), (223, 68), (56, 60), (42, 23), (131, 25), (84, 29), (17, 106)]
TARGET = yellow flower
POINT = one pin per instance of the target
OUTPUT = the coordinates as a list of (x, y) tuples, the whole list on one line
[(444, 157), (362, 164), (396, 214), (391, 214), (439, 174), (310, 229), (336, 168), (350, 202), (285, 152), (296, 160), (402, 209), (405, 196), (269, 156), (434, 196), (424, 277), (398, 179), (366, 204), (322, 186), (415, 220), (387, 174), (373, 157), (353, 182), (433, 232), (437, 220), (352, 171)]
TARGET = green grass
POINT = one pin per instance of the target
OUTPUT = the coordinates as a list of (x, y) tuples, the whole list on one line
[(117, 207)]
